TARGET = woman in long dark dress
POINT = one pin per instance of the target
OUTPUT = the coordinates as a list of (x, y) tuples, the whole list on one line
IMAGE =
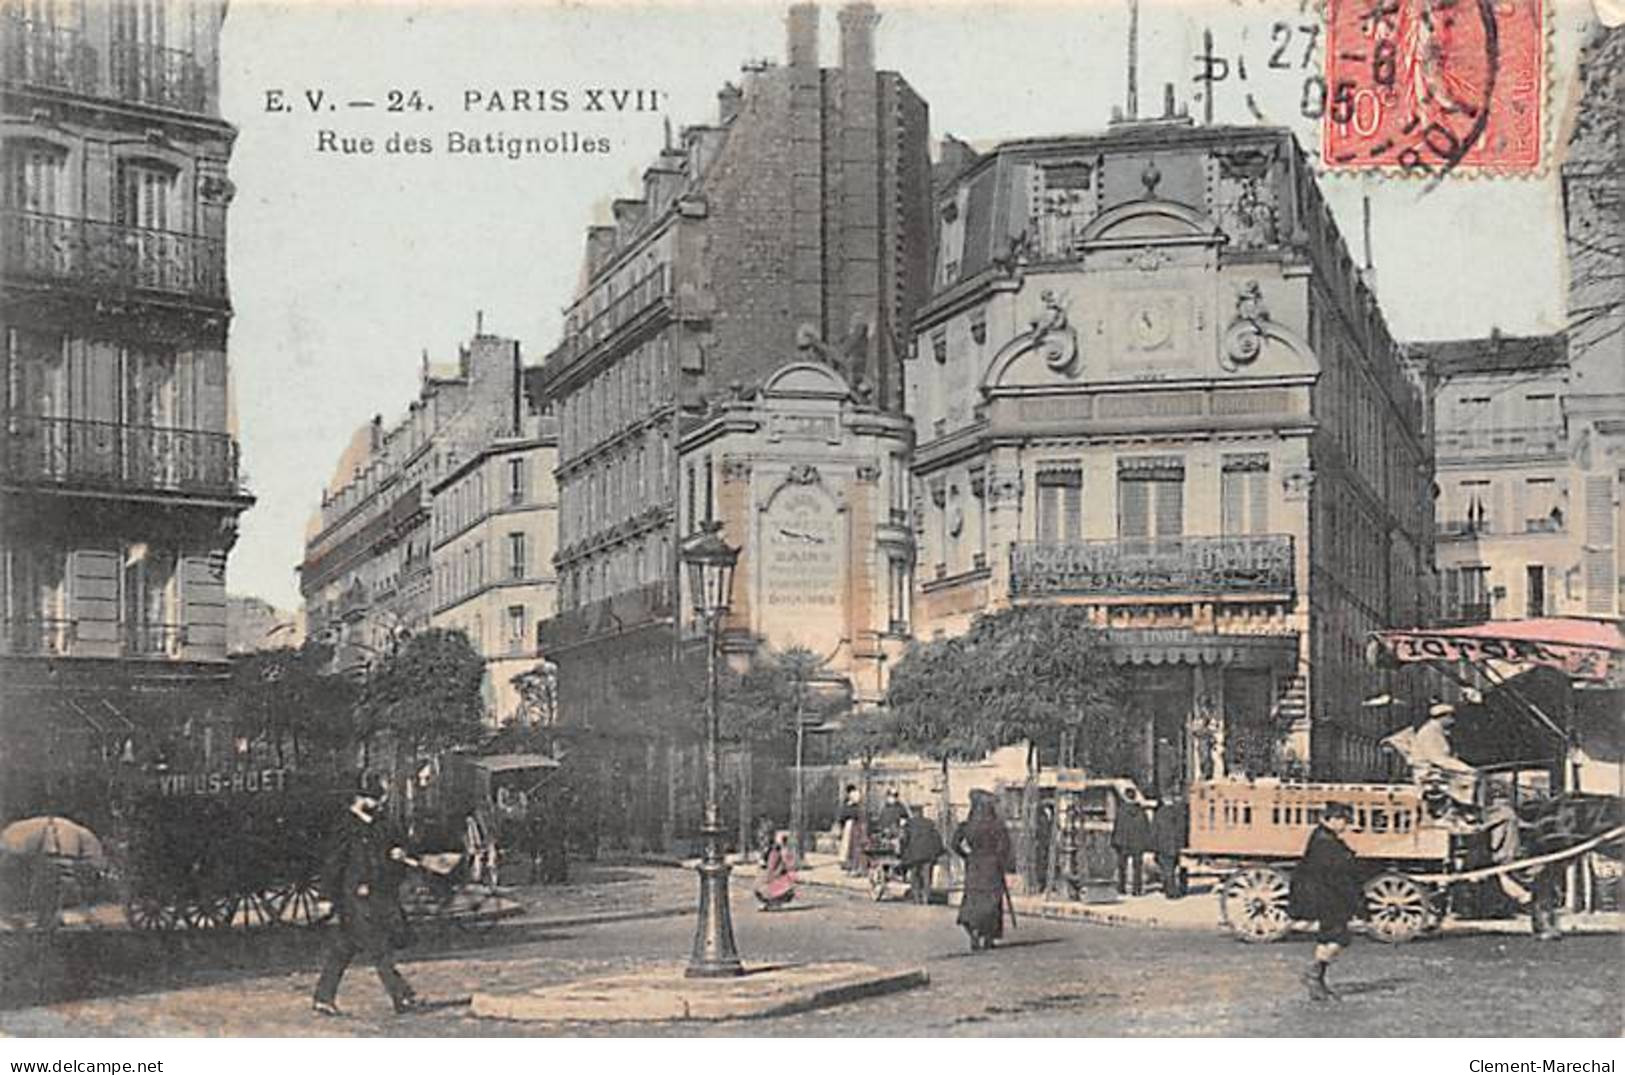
[(984, 843)]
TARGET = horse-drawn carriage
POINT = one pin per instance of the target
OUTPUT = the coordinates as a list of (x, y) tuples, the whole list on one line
[(1424, 855), (244, 848)]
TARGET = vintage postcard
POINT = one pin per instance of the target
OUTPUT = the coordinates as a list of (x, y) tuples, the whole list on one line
[(855, 518)]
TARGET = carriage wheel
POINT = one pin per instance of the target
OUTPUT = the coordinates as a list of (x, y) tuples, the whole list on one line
[(877, 882), (210, 913), (259, 909), (299, 903), (148, 914), (1252, 903), (1399, 908)]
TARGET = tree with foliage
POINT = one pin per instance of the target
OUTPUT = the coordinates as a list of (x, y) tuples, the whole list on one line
[(538, 689), (1040, 674), (425, 697), (763, 704), (287, 700)]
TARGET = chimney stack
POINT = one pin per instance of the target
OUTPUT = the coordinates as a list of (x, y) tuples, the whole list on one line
[(858, 36), (802, 50)]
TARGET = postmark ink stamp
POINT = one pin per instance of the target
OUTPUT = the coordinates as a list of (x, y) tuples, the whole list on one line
[(1431, 87)]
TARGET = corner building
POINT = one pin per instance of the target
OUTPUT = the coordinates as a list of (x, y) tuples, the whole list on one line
[(796, 225), (119, 480), (1151, 381), (442, 519)]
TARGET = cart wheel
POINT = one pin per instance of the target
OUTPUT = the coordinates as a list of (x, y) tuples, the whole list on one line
[(259, 909), (148, 914), (215, 913), (877, 882), (1399, 908), (298, 903), (1252, 902)]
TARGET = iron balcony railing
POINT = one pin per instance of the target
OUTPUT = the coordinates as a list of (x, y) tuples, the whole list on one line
[(154, 75), (27, 636), (42, 54), (1461, 612), (1500, 440), (1140, 567), (94, 253), (74, 451), (651, 289), (154, 639)]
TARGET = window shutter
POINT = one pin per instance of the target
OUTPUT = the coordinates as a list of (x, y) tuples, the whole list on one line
[(1170, 508), (1048, 521), (1074, 512), (1230, 502), (1133, 519), (1258, 490)]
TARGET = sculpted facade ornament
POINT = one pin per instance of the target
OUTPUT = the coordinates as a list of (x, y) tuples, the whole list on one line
[(1296, 482), (1150, 259), (1003, 487), (217, 189), (1053, 336), (735, 469), (1244, 339), (868, 473), (802, 474)]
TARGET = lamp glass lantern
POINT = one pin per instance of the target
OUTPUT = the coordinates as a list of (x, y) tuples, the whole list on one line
[(710, 562)]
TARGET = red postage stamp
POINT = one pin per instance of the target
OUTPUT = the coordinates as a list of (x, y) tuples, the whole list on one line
[(1435, 86)]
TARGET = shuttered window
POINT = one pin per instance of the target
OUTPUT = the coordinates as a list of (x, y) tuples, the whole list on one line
[(1599, 553), (1060, 505), (1244, 494), (1150, 497)]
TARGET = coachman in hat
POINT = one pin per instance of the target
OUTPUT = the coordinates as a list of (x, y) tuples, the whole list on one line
[(362, 876)]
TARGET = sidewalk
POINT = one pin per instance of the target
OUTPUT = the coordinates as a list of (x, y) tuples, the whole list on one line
[(82, 961), (1198, 911)]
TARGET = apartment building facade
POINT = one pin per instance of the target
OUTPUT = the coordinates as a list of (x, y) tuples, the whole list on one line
[(795, 226), (1151, 381), (367, 577), (119, 480), (494, 531)]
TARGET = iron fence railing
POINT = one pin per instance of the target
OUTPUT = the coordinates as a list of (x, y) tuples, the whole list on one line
[(1500, 440), (74, 451), (38, 635), (154, 639), (44, 54), (1132, 567), (96, 253), (155, 75)]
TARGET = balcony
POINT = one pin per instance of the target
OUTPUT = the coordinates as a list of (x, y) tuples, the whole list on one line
[(38, 637), (99, 255), (652, 289), (73, 451), (154, 639), (1517, 441), (154, 75), (1197, 567), (1466, 612), (41, 54)]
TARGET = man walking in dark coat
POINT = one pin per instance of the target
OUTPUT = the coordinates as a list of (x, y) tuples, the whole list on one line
[(1170, 831), (1326, 888), (362, 877), (922, 846), (1131, 839)]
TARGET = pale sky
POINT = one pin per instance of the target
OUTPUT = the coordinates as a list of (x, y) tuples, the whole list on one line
[(345, 267)]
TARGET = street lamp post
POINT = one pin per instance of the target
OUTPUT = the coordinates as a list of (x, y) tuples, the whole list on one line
[(710, 563)]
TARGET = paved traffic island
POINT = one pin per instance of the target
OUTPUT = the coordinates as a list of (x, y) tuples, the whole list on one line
[(662, 994)]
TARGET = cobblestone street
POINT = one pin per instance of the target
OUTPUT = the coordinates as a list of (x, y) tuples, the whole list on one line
[(1050, 978)]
